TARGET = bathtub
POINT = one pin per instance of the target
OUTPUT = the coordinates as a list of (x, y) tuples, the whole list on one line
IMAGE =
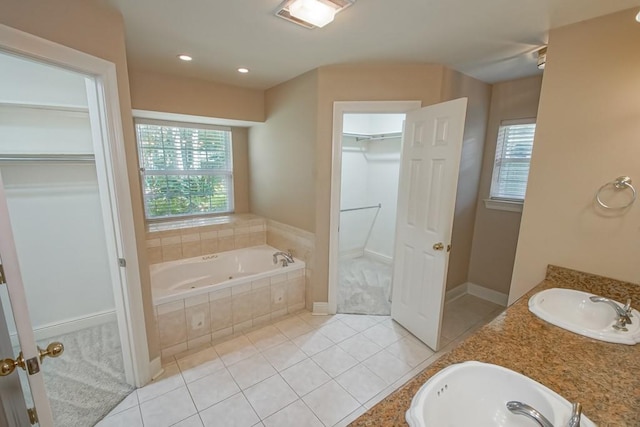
[(181, 279)]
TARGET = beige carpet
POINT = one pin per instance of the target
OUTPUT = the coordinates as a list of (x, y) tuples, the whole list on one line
[(364, 287)]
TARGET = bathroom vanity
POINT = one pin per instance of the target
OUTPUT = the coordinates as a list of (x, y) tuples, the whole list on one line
[(603, 377)]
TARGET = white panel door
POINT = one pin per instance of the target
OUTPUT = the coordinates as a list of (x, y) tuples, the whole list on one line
[(431, 149)]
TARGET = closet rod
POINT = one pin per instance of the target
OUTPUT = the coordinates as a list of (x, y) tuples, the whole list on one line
[(47, 158), (379, 205)]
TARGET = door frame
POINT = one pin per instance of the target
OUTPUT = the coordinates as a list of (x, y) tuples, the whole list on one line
[(339, 109), (127, 287)]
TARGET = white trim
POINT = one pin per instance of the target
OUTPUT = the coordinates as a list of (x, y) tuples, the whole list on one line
[(481, 292), (352, 253), (128, 297), (187, 118), (320, 308), (376, 256), (155, 367), (68, 326), (503, 205), (173, 123), (339, 109)]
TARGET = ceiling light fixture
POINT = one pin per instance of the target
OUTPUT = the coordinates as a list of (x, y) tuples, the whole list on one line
[(184, 57), (638, 17), (311, 13), (243, 70), (542, 58)]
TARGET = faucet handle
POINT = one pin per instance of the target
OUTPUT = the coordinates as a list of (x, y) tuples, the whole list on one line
[(576, 413)]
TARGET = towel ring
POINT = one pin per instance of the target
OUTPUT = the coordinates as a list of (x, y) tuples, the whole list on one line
[(620, 183)]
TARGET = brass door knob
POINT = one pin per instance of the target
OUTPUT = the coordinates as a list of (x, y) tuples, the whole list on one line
[(438, 246), (7, 366), (54, 349)]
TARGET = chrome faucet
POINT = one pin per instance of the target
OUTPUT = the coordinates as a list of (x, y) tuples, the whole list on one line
[(576, 413), (520, 408), (624, 313), (286, 258)]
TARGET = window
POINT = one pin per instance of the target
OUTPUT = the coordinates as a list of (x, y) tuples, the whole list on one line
[(186, 168), (511, 165)]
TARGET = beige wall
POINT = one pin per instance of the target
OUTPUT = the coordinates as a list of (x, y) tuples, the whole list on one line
[(166, 93), (456, 85), (97, 30), (496, 232), (281, 154), (587, 134), (240, 138)]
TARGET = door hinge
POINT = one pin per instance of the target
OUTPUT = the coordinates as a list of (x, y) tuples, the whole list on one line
[(3, 281), (122, 262), (33, 415)]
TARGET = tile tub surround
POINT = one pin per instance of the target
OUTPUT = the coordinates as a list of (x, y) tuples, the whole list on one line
[(602, 376), (196, 321), (173, 240)]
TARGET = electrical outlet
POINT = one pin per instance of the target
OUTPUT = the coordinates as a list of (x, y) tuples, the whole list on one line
[(278, 295)]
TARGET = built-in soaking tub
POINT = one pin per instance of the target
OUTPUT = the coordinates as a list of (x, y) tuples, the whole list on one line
[(202, 299)]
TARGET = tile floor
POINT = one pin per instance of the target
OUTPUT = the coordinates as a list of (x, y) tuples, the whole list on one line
[(302, 370)]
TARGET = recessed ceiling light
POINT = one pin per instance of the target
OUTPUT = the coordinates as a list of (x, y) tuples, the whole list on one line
[(243, 70), (185, 57)]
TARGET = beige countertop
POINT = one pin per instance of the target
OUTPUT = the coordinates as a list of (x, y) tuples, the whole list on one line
[(604, 377)]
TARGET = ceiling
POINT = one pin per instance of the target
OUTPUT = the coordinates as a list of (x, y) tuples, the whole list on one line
[(492, 40)]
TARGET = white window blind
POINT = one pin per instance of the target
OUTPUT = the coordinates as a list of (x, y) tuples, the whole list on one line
[(187, 169), (513, 156)]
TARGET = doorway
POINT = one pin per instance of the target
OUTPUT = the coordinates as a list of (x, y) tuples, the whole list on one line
[(371, 145), (67, 236)]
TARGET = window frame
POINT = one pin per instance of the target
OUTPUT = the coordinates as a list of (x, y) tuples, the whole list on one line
[(504, 203), (187, 125)]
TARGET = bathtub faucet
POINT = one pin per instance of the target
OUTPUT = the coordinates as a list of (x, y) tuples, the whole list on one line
[(286, 258)]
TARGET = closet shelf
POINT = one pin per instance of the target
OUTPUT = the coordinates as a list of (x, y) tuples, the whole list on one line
[(71, 158)]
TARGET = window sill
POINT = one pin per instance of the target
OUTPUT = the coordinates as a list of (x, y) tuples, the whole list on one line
[(202, 221), (503, 205)]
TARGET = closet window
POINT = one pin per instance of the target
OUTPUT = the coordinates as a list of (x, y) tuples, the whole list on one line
[(511, 163), (187, 169)]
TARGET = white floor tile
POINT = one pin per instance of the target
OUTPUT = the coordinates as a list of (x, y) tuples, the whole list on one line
[(387, 366), (193, 421), (251, 371), (266, 337), (168, 409), (293, 327), (361, 383), (269, 396), (335, 361), (295, 415), (232, 412), (360, 347), (383, 335), (284, 355), (337, 331), (410, 350), (305, 377), (235, 350), (200, 364), (212, 389), (170, 380), (128, 418), (312, 342), (128, 402), (392, 324), (331, 403), (359, 322), (317, 320)]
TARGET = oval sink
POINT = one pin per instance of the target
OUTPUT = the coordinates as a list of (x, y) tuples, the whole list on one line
[(574, 311), (476, 394)]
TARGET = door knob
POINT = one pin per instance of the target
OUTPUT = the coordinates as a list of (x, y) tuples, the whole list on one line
[(438, 246), (54, 349), (7, 366)]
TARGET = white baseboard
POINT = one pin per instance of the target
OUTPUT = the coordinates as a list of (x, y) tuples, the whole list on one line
[(320, 308), (377, 256), (155, 368), (70, 325), (352, 253), (487, 294), (477, 291)]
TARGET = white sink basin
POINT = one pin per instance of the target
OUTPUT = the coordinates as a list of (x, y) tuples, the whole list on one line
[(575, 312), (475, 394)]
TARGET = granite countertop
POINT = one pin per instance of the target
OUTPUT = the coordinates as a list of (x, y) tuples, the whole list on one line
[(604, 377)]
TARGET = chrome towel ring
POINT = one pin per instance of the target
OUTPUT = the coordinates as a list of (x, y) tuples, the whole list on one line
[(620, 183)]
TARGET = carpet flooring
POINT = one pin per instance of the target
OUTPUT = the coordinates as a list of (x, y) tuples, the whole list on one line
[(364, 286), (87, 381)]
